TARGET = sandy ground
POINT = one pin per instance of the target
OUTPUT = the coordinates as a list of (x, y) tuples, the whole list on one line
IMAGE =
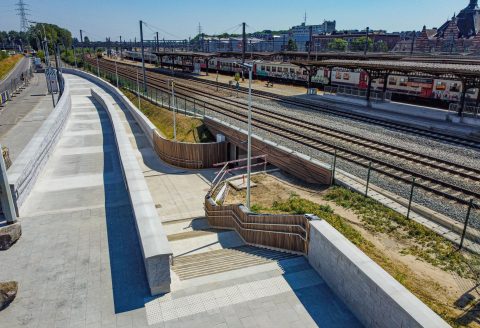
[(446, 287)]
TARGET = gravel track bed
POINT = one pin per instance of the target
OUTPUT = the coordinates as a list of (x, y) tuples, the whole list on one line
[(421, 145), (438, 204)]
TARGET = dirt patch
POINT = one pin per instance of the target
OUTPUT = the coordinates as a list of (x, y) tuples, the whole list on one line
[(451, 296)]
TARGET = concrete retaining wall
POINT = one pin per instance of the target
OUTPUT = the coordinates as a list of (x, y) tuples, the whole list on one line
[(147, 127), (24, 172), (155, 248), (374, 296)]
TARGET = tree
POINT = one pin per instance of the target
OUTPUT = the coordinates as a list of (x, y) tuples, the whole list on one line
[(53, 33), (337, 45), (292, 45), (381, 46), (358, 44)]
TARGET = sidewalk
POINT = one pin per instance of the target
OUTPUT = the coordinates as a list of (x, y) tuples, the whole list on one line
[(21, 118)]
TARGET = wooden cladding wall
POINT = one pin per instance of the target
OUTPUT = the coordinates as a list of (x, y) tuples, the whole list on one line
[(189, 155), (292, 163), (288, 232)]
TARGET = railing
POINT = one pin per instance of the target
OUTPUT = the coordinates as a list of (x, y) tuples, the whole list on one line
[(16, 84), (469, 110), (285, 232), (355, 92)]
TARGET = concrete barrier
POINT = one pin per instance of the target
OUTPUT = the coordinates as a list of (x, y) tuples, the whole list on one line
[(147, 127), (24, 172), (374, 296), (153, 241)]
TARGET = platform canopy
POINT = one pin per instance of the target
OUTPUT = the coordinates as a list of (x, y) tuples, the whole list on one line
[(445, 70), (186, 54)]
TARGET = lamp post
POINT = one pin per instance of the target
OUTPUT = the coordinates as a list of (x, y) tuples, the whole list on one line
[(172, 84), (249, 145)]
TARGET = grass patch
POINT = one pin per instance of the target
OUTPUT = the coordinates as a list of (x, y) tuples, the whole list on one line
[(421, 241), (188, 129), (7, 64)]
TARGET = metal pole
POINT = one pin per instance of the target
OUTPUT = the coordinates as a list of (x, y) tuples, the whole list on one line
[(334, 167), (75, 56), (98, 66), (249, 150), (116, 71), (470, 205), (368, 178), (6, 199), (411, 198), (143, 57), (366, 42), (138, 92), (174, 112)]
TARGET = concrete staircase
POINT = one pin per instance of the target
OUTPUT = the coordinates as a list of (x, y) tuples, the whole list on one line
[(223, 260)]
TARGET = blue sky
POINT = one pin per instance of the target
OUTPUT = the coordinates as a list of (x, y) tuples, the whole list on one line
[(180, 18)]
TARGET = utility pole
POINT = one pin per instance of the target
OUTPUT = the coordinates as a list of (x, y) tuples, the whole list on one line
[(158, 45), (413, 42), (310, 38), (143, 58), (81, 44), (366, 42), (244, 42), (121, 48), (58, 72)]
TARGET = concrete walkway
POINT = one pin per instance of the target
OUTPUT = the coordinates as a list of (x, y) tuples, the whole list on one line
[(21, 118), (78, 262)]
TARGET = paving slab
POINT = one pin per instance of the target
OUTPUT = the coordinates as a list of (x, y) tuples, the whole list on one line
[(21, 118)]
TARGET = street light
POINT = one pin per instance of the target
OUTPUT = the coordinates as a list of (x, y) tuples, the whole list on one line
[(249, 147), (172, 84)]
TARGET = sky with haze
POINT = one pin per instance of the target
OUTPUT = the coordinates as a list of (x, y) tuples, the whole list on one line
[(179, 19)]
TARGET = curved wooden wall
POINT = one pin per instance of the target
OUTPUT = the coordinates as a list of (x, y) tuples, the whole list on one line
[(189, 155)]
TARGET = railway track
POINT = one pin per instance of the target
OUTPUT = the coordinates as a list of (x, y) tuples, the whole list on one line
[(307, 134)]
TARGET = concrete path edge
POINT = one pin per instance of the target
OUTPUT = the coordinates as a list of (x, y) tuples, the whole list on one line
[(156, 250)]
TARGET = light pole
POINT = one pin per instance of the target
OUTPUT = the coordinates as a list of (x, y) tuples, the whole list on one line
[(172, 83), (116, 72), (138, 93), (249, 144)]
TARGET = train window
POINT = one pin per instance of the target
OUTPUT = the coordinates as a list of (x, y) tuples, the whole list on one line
[(392, 81), (263, 68), (274, 68), (268, 68), (292, 70), (441, 86), (403, 82), (455, 87), (285, 70)]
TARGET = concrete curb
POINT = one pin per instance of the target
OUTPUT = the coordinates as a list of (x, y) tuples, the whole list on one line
[(24, 172), (156, 250)]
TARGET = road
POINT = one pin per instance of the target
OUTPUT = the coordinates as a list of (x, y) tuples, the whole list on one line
[(21, 67)]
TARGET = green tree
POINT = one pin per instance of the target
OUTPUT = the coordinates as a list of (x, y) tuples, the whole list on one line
[(381, 46), (292, 45), (338, 45), (53, 33), (358, 44)]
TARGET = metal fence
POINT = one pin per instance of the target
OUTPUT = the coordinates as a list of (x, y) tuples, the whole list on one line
[(469, 110), (15, 85), (358, 93)]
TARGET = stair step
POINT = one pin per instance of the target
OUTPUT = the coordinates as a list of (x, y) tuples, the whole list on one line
[(193, 234), (224, 260)]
